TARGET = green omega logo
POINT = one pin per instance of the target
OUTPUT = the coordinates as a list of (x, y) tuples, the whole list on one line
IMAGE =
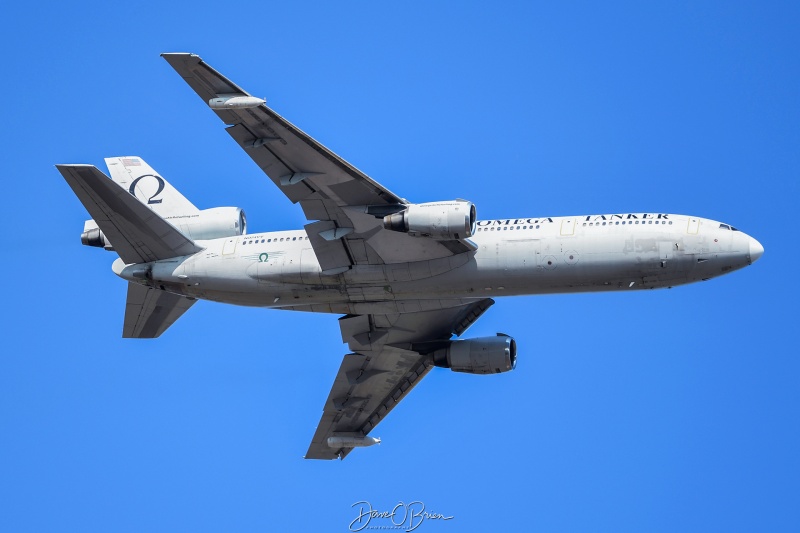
[(263, 258)]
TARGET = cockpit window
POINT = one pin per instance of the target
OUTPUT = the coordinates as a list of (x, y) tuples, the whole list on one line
[(734, 229), (724, 226)]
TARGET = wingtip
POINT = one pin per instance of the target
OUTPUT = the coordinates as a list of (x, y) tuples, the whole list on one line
[(74, 165), (176, 54)]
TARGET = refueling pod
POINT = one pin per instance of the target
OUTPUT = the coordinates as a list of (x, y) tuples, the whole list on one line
[(233, 101), (352, 442)]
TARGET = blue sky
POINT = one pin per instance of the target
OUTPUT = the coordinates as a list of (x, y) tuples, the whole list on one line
[(656, 411)]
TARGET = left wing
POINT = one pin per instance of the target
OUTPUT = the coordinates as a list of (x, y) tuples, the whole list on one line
[(389, 359), (347, 205)]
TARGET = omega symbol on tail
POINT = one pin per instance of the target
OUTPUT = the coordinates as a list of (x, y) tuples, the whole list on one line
[(160, 189)]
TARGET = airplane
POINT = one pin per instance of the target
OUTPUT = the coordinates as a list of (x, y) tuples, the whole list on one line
[(405, 277)]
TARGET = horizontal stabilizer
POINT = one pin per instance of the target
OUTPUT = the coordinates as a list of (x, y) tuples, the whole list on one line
[(149, 312), (138, 234)]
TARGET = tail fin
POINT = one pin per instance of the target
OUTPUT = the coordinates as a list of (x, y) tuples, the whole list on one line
[(137, 234), (138, 178)]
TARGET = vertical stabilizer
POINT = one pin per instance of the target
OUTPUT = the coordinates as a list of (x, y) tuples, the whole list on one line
[(138, 178)]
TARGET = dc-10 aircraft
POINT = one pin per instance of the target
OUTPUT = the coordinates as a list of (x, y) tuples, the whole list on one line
[(406, 277)]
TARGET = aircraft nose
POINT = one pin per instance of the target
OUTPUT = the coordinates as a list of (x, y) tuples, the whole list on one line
[(756, 250)]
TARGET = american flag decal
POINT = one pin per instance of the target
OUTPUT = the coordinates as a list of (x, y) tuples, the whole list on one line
[(131, 162)]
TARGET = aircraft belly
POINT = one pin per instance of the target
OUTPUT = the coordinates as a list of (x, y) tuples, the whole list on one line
[(572, 263)]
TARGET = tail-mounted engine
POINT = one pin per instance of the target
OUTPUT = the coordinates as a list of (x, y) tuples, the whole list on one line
[(215, 223), (453, 220), (484, 355)]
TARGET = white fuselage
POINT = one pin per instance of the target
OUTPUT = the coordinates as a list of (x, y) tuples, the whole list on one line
[(514, 257)]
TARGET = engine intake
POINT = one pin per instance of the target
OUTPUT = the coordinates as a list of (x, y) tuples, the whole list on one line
[(484, 355), (438, 220)]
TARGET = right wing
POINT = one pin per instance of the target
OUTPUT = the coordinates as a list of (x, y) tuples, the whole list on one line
[(136, 232), (387, 363), (348, 205), (149, 312)]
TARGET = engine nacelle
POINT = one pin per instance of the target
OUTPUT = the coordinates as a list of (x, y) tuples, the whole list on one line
[(484, 355), (438, 220), (92, 236), (214, 223)]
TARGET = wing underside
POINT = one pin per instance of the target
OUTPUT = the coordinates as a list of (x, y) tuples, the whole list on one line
[(385, 365), (346, 207)]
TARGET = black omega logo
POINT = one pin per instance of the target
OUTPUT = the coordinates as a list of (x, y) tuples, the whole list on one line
[(160, 189)]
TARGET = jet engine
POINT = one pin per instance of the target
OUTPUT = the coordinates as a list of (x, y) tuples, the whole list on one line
[(214, 223), (437, 220), (484, 355)]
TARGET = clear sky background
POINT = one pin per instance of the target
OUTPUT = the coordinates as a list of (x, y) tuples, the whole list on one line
[(672, 410)]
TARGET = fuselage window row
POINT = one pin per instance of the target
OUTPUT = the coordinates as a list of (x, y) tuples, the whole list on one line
[(591, 224), (252, 241)]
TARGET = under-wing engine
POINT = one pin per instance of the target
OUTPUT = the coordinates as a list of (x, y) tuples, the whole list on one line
[(214, 223), (484, 355), (437, 220)]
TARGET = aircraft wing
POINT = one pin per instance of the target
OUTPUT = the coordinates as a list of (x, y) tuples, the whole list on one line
[(389, 359), (149, 312), (331, 191)]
